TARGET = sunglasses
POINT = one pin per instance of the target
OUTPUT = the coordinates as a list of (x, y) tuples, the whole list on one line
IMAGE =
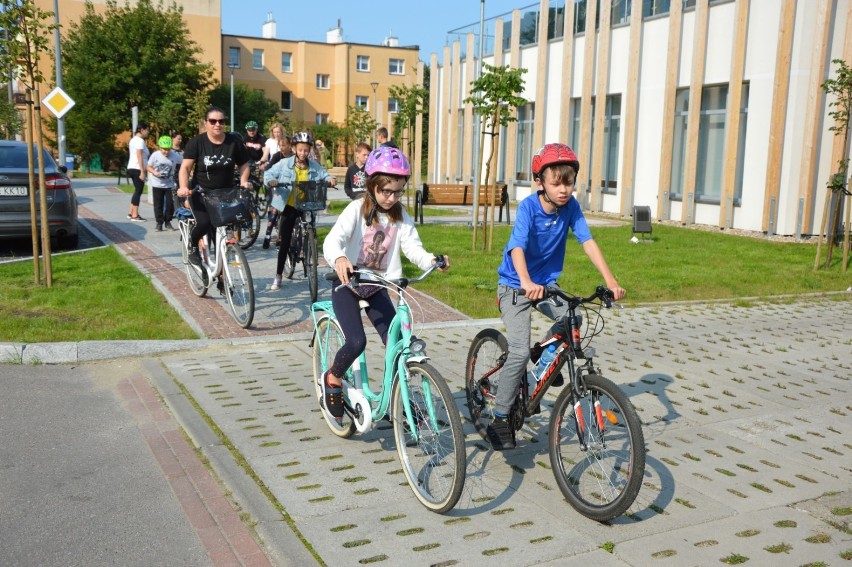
[(391, 193), (221, 121)]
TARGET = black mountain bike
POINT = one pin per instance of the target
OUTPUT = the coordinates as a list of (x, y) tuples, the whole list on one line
[(595, 441), (310, 198)]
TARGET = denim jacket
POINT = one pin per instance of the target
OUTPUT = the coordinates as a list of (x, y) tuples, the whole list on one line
[(285, 172)]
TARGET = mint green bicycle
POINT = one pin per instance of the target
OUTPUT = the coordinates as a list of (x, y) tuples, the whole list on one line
[(426, 422)]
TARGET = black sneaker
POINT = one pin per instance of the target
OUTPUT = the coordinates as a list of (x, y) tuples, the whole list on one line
[(159, 227), (169, 226), (195, 258), (266, 243), (501, 434)]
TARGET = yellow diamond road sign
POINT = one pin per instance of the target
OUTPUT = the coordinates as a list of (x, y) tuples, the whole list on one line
[(58, 102)]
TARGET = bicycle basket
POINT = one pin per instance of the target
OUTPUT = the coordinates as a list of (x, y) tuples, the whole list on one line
[(227, 206), (309, 195)]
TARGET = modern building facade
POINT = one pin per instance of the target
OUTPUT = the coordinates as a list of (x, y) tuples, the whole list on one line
[(708, 111)]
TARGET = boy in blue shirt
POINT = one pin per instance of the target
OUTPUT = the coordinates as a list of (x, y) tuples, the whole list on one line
[(533, 259)]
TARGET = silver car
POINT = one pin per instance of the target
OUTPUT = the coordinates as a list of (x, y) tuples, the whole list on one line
[(15, 197)]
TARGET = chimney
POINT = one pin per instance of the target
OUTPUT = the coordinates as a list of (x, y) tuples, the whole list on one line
[(391, 40), (268, 27), (335, 35)]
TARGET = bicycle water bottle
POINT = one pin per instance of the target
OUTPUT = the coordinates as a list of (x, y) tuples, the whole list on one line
[(547, 356)]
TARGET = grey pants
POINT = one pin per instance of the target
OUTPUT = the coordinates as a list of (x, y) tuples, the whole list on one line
[(515, 310)]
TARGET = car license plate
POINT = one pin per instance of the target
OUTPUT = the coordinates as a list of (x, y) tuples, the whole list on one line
[(13, 191)]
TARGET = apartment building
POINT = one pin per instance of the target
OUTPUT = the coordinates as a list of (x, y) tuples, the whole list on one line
[(707, 111)]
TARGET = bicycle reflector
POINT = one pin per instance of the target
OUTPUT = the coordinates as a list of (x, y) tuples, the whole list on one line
[(417, 346)]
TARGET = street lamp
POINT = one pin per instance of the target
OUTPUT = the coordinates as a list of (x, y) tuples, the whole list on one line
[(375, 109), (232, 65)]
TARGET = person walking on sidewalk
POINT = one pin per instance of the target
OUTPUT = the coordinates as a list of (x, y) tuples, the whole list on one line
[(161, 166), (136, 168), (356, 178)]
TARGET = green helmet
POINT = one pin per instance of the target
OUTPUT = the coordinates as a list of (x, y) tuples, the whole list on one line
[(251, 125), (165, 142)]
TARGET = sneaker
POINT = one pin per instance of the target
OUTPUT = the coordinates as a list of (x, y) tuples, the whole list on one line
[(220, 285), (128, 216), (195, 258), (169, 226), (501, 434), (159, 227), (276, 284), (333, 398), (137, 219), (266, 243)]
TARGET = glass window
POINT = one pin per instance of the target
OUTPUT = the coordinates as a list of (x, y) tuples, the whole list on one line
[(576, 113), (322, 118), (529, 27), (362, 101), (580, 17), (507, 34), (556, 20), (234, 57), (286, 100), (286, 62), (257, 59), (620, 13), (363, 63), (396, 67), (655, 7), (524, 149), (612, 133), (322, 81), (393, 105)]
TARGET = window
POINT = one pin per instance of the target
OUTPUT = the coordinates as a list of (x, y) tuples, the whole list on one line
[(710, 167), (620, 12), (612, 134), (322, 81), (234, 57), (655, 7), (362, 102), (555, 22), (363, 63), (393, 105), (529, 27), (507, 34), (286, 62), (524, 150), (257, 59), (576, 113), (322, 118), (396, 67), (286, 100)]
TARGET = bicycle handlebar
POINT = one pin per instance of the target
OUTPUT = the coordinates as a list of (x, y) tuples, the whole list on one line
[(601, 293), (364, 275)]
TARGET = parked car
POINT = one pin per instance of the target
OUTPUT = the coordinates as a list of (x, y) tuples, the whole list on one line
[(15, 197)]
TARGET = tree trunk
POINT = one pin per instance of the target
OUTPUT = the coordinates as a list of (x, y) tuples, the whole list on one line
[(28, 137), (45, 226)]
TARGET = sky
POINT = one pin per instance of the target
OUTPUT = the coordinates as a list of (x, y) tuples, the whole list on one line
[(418, 22)]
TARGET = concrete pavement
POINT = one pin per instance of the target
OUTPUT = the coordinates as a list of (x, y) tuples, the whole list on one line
[(745, 411)]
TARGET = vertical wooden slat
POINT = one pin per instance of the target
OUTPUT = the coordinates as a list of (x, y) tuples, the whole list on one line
[(602, 75), (467, 151), (630, 115), (453, 107), (585, 145), (498, 62), (732, 115), (418, 135), (779, 114), (813, 120), (445, 109), (696, 88), (669, 99), (433, 123), (565, 112), (514, 62), (542, 76)]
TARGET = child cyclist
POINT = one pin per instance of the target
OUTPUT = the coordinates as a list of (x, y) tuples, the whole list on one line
[(284, 175), (376, 221), (533, 258)]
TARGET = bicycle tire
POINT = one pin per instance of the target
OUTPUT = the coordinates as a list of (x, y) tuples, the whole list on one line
[(291, 256), (328, 339), (248, 231), (485, 359), (193, 274), (239, 287), (601, 481), (310, 261), (434, 464)]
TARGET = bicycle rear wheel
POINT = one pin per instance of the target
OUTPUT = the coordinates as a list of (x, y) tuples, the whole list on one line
[(310, 261), (328, 338), (193, 274), (239, 285), (485, 359), (295, 245), (432, 454), (248, 231), (597, 449)]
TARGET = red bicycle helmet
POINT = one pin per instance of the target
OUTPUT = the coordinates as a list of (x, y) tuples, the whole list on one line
[(386, 159), (551, 154)]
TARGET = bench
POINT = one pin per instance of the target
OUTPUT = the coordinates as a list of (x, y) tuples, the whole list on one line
[(453, 194)]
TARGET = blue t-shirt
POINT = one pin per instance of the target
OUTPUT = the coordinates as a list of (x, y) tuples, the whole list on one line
[(542, 236)]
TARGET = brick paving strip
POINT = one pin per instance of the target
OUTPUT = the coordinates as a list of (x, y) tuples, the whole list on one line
[(225, 538), (212, 317)]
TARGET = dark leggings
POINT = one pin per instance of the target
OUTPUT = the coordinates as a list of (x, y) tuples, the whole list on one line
[(285, 235), (202, 219), (380, 312), (138, 186)]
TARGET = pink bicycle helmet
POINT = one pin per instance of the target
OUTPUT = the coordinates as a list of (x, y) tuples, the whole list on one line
[(551, 154), (387, 160)]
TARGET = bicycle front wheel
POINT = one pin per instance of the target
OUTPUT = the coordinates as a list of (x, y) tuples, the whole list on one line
[(310, 262), (193, 274), (328, 339), (597, 449), (485, 359), (240, 287), (432, 452)]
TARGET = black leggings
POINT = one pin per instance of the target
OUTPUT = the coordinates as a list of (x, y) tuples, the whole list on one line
[(202, 219), (285, 235), (138, 186), (380, 312)]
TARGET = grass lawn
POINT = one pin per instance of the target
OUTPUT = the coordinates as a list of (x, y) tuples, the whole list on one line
[(336, 207)]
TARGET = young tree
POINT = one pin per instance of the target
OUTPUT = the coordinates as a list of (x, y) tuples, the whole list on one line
[(841, 88), (359, 125), (130, 56), (249, 104), (10, 120), (495, 96), (333, 136)]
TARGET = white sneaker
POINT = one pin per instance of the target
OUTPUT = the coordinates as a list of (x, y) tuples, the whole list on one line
[(276, 284)]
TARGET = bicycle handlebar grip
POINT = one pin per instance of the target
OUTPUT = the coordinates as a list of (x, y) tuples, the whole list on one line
[(439, 261)]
